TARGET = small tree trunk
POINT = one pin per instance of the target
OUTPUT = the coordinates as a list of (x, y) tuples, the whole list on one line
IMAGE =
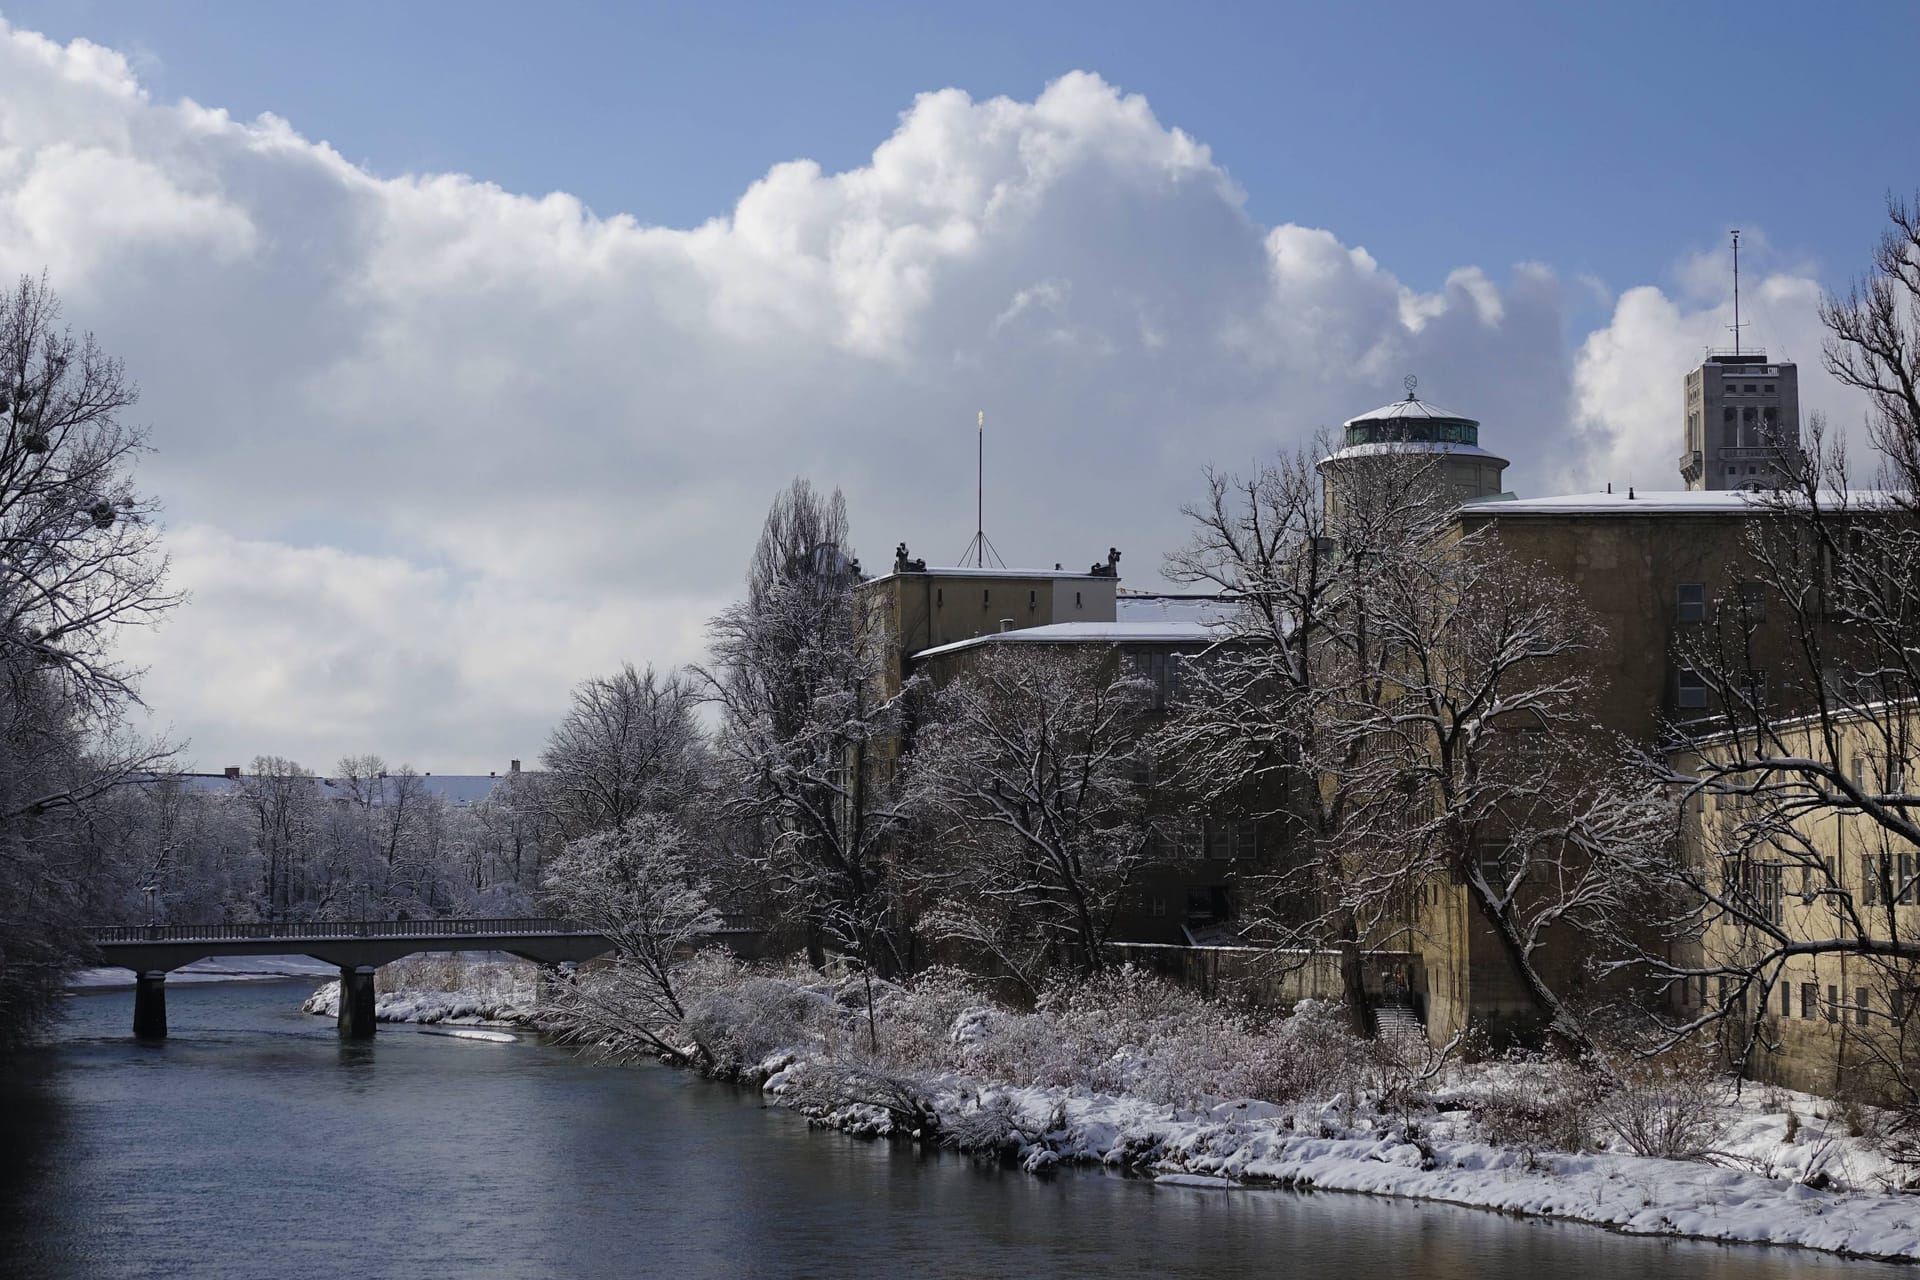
[(1353, 980)]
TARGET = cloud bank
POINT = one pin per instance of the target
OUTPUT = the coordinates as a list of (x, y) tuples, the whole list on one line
[(434, 451)]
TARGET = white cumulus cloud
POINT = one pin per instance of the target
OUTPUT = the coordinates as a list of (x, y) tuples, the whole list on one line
[(435, 451)]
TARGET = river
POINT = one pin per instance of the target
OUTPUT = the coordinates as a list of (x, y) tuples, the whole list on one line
[(253, 1143)]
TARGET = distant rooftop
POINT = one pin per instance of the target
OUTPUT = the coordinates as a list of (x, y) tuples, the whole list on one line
[(1142, 619), (454, 788), (1647, 502), (1412, 424)]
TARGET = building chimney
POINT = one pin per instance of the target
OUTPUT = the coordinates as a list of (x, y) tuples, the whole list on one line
[(233, 771), (513, 766), (1006, 624)]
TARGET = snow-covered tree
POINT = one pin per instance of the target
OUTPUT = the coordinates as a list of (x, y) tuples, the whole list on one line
[(628, 745), (1027, 771), (1257, 729), (1800, 769), (1412, 697), (797, 676), (79, 558)]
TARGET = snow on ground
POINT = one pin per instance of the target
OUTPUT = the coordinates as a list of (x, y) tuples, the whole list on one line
[(216, 969), (1250, 1143), (440, 988), (471, 1033), (1783, 1168), (428, 1006)]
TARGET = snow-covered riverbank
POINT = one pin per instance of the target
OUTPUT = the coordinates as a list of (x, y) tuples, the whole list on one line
[(1432, 1154), (458, 1007), (1134, 1077), (436, 989)]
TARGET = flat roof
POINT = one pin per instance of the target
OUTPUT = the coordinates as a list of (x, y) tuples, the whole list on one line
[(1085, 633), (973, 571), (1644, 502)]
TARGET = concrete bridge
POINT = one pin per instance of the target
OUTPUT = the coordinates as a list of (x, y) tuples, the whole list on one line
[(358, 947)]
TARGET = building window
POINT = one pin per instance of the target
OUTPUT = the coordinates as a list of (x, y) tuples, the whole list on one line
[(1233, 838), (1690, 602), (1753, 601), (1076, 599), (1179, 837), (986, 597), (1905, 886), (1870, 869), (939, 597), (1033, 601), (1162, 671), (1833, 1003), (1809, 1000), (1860, 1007), (1753, 685), (1690, 691), (1748, 388), (1769, 388), (1724, 986), (1897, 1006)]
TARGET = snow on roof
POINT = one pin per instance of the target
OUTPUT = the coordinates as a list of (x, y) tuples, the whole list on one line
[(974, 571), (1207, 610), (1165, 632), (1411, 408), (1645, 502), (454, 788), (1386, 447)]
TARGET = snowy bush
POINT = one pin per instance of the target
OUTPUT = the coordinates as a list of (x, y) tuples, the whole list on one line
[(919, 1022), (742, 1022), (1673, 1108), (1534, 1103)]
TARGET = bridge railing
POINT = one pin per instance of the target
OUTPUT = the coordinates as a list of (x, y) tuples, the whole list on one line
[(341, 930)]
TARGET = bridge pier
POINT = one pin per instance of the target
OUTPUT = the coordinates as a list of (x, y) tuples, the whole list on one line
[(150, 1004), (356, 1002)]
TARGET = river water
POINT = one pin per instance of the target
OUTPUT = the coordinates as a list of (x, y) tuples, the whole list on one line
[(254, 1144)]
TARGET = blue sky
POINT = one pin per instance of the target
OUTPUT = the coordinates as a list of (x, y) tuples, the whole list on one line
[(1603, 138), (489, 393)]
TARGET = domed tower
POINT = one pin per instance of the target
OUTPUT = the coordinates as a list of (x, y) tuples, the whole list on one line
[(1415, 426)]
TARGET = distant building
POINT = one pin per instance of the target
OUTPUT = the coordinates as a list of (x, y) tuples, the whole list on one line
[(1742, 422), (456, 789), (1414, 426)]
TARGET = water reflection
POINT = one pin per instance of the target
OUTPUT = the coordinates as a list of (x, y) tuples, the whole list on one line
[(254, 1142)]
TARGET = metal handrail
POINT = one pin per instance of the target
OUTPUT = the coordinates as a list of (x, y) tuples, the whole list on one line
[(350, 930)]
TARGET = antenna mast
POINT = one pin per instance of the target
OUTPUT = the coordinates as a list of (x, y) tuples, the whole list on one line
[(1735, 326), (980, 548)]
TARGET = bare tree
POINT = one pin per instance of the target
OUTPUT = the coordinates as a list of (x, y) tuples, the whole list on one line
[(628, 745), (1798, 775), (798, 678), (1411, 696), (79, 558), (638, 886), (1028, 770)]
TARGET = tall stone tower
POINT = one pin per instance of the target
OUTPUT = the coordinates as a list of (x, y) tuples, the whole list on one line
[(1413, 425), (1742, 422)]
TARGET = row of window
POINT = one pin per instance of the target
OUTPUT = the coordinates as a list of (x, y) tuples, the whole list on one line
[(986, 599), (1892, 873), (1185, 837), (1690, 601), (1812, 1007), (1746, 388), (1690, 691), (1883, 876)]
